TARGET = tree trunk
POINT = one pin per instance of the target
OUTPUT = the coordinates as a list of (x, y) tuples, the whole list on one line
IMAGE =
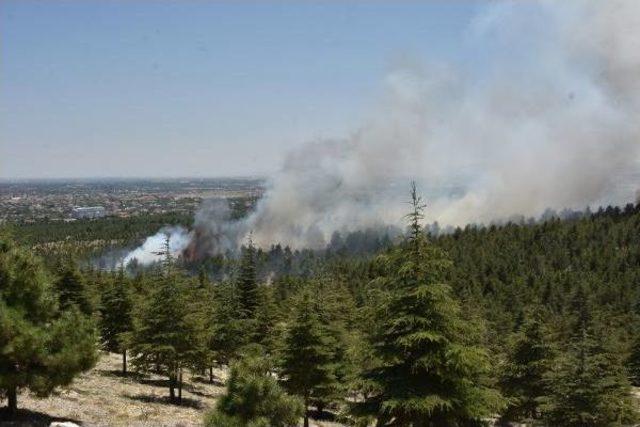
[(320, 408), (172, 388), (180, 386), (306, 410), (12, 396), (211, 374), (124, 362)]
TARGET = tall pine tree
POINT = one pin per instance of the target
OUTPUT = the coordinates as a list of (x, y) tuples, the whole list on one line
[(588, 384), (307, 360), (248, 282), (165, 338), (73, 288), (41, 347), (530, 354), (227, 333), (430, 375), (116, 316)]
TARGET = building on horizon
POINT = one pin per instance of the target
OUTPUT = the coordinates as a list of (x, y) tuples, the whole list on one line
[(88, 212)]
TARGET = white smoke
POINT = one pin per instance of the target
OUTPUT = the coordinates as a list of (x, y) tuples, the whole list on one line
[(151, 250), (544, 114), (549, 119)]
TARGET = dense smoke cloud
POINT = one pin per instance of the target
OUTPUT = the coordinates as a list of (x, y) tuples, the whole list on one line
[(544, 113), (549, 118)]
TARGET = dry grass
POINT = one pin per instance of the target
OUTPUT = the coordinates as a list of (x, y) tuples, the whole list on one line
[(103, 397)]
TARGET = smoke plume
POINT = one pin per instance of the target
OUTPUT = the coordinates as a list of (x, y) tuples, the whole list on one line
[(152, 248), (549, 119), (544, 113)]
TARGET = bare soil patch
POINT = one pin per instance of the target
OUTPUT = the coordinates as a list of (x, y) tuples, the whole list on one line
[(104, 397)]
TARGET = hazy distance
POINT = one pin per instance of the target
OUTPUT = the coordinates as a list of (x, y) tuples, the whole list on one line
[(171, 88)]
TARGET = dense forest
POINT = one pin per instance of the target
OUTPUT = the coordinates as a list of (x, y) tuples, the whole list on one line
[(533, 322)]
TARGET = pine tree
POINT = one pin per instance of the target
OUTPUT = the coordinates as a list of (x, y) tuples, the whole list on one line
[(116, 316), (165, 339), (266, 320), (633, 362), (335, 308), (307, 360), (202, 304), (530, 353), (588, 386), (227, 334), (247, 282), (430, 375), (254, 398), (40, 346), (73, 289)]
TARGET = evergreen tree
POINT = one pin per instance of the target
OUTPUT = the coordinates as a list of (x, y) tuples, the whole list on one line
[(116, 316), (266, 320), (588, 386), (165, 339), (73, 289), (254, 398), (430, 375), (227, 333), (247, 282), (335, 310), (40, 346), (633, 363), (530, 353), (307, 369)]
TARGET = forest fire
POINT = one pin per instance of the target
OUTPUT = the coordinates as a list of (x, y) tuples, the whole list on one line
[(200, 246)]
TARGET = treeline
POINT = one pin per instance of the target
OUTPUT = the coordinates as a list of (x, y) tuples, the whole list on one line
[(534, 323), (127, 230)]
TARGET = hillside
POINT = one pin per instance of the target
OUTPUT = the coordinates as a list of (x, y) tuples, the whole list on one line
[(103, 397)]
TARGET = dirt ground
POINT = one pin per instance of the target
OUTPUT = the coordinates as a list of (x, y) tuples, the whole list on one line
[(103, 397)]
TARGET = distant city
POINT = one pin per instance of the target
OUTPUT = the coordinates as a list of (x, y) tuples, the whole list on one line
[(70, 200)]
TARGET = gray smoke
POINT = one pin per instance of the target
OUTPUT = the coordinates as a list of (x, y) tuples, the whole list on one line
[(550, 120), (215, 231), (544, 114)]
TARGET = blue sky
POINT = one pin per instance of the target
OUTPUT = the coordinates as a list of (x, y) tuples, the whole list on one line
[(200, 88)]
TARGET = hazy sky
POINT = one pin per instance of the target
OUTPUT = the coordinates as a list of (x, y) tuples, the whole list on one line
[(200, 88)]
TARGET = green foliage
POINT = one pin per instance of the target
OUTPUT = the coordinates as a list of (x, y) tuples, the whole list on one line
[(109, 228), (307, 366), (254, 398), (588, 384), (165, 338), (41, 347), (530, 353), (72, 288), (248, 282), (227, 330), (633, 362), (267, 318), (430, 374), (406, 332), (116, 315), (336, 310)]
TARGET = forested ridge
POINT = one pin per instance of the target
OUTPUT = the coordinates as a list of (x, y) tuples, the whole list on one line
[(531, 322)]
